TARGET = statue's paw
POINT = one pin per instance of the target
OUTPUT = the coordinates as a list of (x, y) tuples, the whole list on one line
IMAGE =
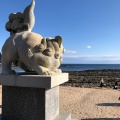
[(47, 73), (58, 71), (9, 72)]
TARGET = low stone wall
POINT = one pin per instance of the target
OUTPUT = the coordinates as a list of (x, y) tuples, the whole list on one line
[(92, 78)]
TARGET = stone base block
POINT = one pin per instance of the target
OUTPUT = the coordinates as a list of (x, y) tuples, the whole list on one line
[(63, 116), (33, 81), (32, 97), (20, 103)]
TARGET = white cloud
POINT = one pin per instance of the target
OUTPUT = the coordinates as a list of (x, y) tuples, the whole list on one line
[(88, 46), (70, 51)]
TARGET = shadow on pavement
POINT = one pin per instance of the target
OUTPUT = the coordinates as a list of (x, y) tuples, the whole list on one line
[(109, 104)]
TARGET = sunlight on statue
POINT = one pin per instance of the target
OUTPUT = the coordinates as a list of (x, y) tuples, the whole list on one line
[(29, 50)]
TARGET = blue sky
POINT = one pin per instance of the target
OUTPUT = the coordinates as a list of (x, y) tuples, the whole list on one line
[(90, 28)]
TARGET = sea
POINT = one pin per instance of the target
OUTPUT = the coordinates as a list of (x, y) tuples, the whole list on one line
[(81, 67)]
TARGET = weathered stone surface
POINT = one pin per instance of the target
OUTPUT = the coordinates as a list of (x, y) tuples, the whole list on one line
[(52, 103), (36, 81), (63, 116), (26, 52), (20, 103), (30, 51)]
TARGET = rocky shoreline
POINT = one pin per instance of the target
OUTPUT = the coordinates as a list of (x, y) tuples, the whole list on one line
[(92, 78)]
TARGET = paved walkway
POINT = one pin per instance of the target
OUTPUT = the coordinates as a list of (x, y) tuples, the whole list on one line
[(90, 104)]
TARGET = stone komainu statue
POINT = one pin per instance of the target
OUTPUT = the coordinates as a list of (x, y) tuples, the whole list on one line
[(29, 50)]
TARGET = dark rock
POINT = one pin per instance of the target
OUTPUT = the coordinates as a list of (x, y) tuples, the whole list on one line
[(92, 78)]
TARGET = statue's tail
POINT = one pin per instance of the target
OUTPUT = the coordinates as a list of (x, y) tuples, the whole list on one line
[(19, 22), (29, 15)]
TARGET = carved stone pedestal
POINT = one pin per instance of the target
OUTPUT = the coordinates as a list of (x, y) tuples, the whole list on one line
[(32, 97)]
